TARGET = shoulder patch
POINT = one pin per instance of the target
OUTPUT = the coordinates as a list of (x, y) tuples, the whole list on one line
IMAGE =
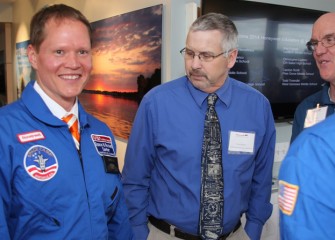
[(287, 197), (40, 163)]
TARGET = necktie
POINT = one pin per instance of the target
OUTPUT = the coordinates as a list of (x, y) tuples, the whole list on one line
[(211, 198), (72, 123)]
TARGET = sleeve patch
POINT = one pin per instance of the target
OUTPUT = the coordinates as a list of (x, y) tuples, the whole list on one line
[(287, 197)]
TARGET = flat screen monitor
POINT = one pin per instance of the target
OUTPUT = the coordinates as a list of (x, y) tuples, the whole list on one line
[(273, 57)]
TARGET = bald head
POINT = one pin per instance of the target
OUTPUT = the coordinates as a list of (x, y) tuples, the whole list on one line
[(323, 36), (326, 17), (325, 22)]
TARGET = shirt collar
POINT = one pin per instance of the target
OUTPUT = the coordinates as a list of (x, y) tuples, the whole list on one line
[(325, 97), (56, 109), (330, 99), (224, 93)]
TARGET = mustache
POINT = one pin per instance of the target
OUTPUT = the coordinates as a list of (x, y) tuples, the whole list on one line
[(197, 73)]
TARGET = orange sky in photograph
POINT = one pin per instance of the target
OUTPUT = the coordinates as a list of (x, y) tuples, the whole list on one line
[(124, 47)]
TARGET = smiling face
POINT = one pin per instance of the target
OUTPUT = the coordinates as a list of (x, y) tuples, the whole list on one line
[(63, 61), (325, 57), (208, 76)]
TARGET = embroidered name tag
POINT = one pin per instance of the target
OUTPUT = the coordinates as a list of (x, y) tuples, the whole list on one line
[(30, 136)]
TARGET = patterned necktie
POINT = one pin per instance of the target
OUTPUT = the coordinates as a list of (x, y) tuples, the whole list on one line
[(72, 123), (211, 199)]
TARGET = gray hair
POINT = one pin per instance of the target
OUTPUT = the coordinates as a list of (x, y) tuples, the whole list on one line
[(220, 22)]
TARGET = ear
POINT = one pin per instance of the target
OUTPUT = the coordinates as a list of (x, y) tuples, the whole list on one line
[(232, 58), (32, 56)]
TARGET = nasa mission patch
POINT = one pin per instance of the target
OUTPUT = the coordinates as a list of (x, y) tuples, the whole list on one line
[(40, 163), (103, 144)]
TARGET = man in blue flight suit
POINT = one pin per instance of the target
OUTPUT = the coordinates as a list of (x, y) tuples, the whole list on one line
[(58, 182)]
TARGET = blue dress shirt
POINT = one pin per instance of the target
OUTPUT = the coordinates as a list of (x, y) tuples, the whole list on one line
[(162, 171), (322, 98)]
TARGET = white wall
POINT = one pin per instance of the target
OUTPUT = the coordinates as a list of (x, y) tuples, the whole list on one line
[(6, 12), (322, 5)]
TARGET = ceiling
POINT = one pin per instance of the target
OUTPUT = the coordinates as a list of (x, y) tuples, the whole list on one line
[(7, 1)]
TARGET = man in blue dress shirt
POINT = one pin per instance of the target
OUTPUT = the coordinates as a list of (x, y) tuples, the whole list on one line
[(322, 45), (162, 171), (306, 197)]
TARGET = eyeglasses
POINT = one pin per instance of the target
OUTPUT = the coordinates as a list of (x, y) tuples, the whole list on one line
[(203, 56), (328, 41)]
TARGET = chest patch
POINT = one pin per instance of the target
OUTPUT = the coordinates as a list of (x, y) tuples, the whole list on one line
[(40, 163), (30, 136), (103, 145)]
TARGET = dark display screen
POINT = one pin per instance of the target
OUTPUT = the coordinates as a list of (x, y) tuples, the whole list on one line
[(273, 57)]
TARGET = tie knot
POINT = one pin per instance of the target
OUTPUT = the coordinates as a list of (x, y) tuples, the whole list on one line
[(72, 123), (211, 99), (69, 119)]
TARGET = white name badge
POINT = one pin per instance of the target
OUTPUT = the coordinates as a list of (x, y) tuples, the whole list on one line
[(315, 116), (241, 142)]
